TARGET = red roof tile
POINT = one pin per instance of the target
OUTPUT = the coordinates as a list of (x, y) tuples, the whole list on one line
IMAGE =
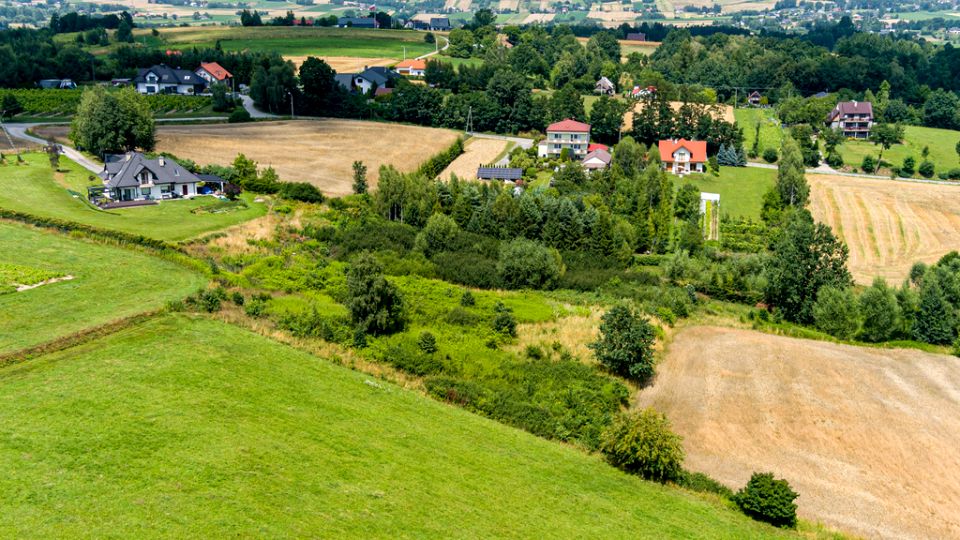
[(411, 64), (216, 70), (569, 125), (697, 149), (597, 146)]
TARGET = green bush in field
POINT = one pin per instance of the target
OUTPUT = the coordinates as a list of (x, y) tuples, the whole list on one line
[(300, 191), (527, 264), (626, 341), (641, 443), (770, 155), (239, 116), (375, 304), (427, 342), (438, 234), (927, 169), (869, 164), (467, 300), (880, 311), (769, 500), (909, 166), (835, 312), (504, 321)]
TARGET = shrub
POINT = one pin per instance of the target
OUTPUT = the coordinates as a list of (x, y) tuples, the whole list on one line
[(909, 166), (375, 304), (257, 306), (239, 116), (525, 263), (868, 164), (504, 322), (626, 341), (237, 298), (953, 174), (770, 155), (438, 234), (641, 443), (880, 310), (300, 191), (427, 342), (467, 300), (702, 483), (927, 169), (768, 500), (835, 312)]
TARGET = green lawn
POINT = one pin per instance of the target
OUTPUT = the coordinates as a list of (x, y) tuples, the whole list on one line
[(293, 41), (108, 283), (35, 189), (741, 189), (942, 143), (770, 132), (186, 427)]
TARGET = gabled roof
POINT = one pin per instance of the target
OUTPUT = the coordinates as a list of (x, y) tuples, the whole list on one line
[(215, 70), (411, 64), (344, 79), (569, 125), (697, 149), (378, 75), (122, 170), (605, 83), (597, 146), (851, 107), (600, 155), (440, 22), (168, 75)]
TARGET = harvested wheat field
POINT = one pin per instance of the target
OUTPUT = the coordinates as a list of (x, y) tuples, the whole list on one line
[(888, 225), (346, 64), (476, 152), (321, 152), (869, 438), (719, 112)]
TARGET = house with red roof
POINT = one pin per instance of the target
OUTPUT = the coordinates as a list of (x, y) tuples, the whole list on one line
[(214, 73), (566, 134), (411, 68), (681, 156)]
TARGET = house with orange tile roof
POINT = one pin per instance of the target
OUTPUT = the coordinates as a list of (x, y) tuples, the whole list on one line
[(214, 73), (681, 156), (411, 68)]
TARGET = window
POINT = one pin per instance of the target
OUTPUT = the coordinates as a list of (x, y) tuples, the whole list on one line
[(145, 192)]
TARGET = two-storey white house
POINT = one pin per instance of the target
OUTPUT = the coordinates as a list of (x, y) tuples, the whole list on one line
[(566, 134), (163, 79), (853, 118), (681, 156)]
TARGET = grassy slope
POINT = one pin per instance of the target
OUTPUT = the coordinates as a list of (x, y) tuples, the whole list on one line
[(741, 189), (942, 143), (194, 428), (293, 41), (33, 189), (109, 283), (770, 131)]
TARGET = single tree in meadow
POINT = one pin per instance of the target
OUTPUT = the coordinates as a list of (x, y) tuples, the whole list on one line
[(885, 136), (791, 182), (375, 304), (359, 178), (626, 342)]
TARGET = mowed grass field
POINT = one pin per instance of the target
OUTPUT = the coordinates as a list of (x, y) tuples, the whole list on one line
[(741, 189), (887, 224), (770, 131), (184, 427), (942, 144), (37, 189), (321, 152), (107, 284), (866, 436), (300, 42)]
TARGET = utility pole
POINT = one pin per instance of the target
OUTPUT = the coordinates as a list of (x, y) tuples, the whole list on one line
[(292, 116), (470, 120)]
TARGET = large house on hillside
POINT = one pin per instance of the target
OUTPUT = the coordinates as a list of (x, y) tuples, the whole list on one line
[(367, 79), (134, 177), (565, 135), (681, 156), (163, 79), (853, 118), (214, 73)]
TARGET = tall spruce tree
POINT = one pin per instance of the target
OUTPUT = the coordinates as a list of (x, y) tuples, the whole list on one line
[(935, 320), (791, 182)]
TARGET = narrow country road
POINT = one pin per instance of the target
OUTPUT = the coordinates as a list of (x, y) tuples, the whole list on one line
[(19, 131), (526, 144), (429, 54), (826, 169), (254, 112)]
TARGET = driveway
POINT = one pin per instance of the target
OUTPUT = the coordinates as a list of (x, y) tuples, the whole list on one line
[(19, 131), (254, 112)]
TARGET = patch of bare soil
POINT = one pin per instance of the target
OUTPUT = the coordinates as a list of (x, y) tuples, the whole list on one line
[(347, 64), (888, 225), (317, 151), (869, 438), (476, 152)]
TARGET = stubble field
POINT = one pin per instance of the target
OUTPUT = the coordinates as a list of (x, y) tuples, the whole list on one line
[(888, 225), (320, 152), (868, 437), (476, 152)]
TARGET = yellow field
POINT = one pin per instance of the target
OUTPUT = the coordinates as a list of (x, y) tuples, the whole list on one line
[(867, 437), (346, 64), (888, 225), (321, 152), (477, 152)]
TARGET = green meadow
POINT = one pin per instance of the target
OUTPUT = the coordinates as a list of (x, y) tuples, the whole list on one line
[(36, 189), (187, 427), (108, 283), (770, 132), (941, 142), (741, 189)]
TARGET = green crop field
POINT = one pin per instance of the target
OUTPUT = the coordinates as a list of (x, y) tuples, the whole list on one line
[(108, 283), (741, 189), (187, 427), (942, 144), (770, 132), (294, 41), (37, 190)]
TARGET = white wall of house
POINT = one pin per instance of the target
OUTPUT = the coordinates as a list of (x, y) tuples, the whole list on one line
[(363, 84), (159, 88), (556, 141)]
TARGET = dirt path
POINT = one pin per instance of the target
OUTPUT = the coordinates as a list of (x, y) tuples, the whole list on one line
[(870, 438), (887, 225), (476, 152)]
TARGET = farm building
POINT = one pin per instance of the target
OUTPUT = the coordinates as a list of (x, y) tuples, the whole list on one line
[(411, 68), (636, 36), (163, 79), (597, 159), (853, 118), (134, 177), (511, 174), (754, 99), (214, 73), (568, 135), (681, 156), (357, 22), (605, 87)]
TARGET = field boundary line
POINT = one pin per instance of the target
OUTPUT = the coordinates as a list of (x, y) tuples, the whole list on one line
[(75, 339)]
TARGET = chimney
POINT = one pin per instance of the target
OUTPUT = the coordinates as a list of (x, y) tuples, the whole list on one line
[(854, 104), (128, 156), (162, 161)]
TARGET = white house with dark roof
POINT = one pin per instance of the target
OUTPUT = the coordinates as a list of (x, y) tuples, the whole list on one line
[(134, 177), (163, 79)]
